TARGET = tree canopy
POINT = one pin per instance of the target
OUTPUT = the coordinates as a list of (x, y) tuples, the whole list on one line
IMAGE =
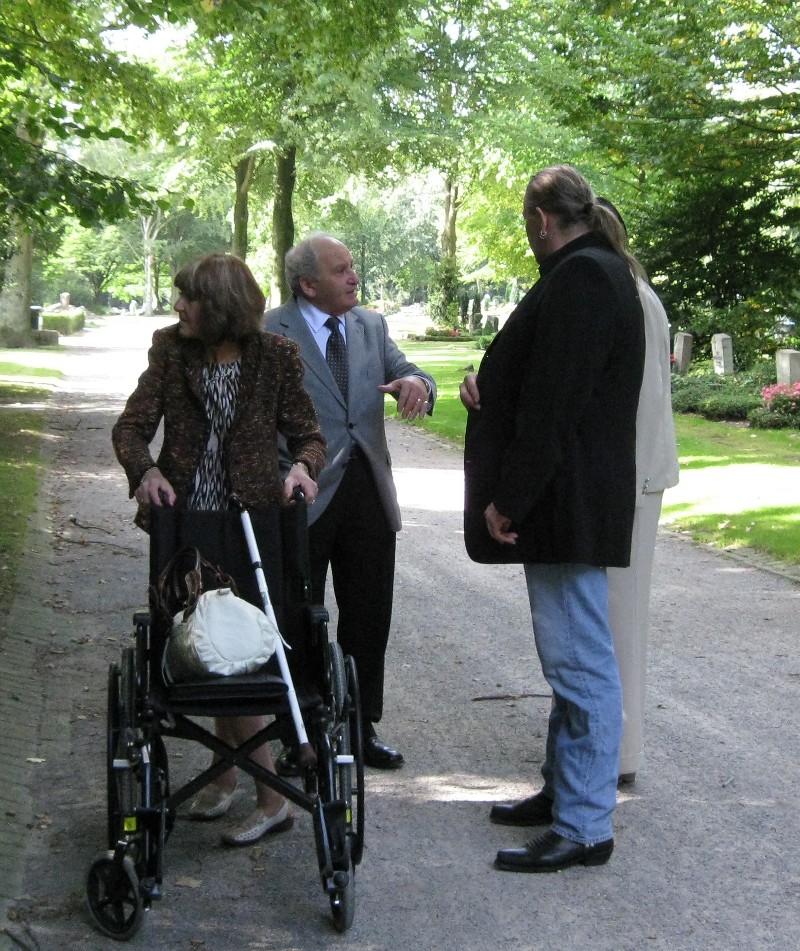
[(283, 115)]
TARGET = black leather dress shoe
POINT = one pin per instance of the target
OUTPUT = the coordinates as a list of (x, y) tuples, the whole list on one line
[(380, 756), (534, 811), (286, 764), (551, 852)]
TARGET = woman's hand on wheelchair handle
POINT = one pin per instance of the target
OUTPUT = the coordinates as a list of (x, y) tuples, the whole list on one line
[(154, 489), (298, 478)]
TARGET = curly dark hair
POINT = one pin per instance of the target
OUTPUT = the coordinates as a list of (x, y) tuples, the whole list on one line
[(231, 302)]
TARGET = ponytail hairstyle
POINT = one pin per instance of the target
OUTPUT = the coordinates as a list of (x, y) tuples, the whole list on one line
[(563, 192), (603, 205)]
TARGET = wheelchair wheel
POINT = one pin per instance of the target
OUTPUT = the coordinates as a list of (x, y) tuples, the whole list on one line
[(335, 667), (113, 896), (122, 786), (160, 773), (334, 778), (335, 793), (343, 897), (336, 773), (113, 717), (343, 900), (357, 749)]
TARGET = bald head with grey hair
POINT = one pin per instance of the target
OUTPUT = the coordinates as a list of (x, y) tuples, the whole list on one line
[(301, 261)]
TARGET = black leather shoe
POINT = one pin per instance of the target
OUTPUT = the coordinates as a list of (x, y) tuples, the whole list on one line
[(551, 852), (286, 764), (534, 811), (380, 756)]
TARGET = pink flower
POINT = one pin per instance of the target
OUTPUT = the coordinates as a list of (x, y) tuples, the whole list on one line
[(781, 391)]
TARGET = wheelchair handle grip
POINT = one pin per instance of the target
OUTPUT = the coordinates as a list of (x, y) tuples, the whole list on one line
[(235, 502)]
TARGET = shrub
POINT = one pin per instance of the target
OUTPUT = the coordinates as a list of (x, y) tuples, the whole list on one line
[(443, 296), (762, 373), (720, 397), (65, 324), (780, 407), (690, 389), (729, 402), (448, 333)]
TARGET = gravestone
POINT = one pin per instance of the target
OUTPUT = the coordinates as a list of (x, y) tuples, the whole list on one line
[(683, 351), (722, 351), (787, 364)]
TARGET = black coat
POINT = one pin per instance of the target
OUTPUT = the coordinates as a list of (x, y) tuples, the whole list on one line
[(553, 444)]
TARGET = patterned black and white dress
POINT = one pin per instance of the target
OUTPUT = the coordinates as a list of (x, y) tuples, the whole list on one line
[(211, 483)]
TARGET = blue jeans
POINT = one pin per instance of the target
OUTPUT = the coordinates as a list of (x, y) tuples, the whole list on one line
[(569, 609)]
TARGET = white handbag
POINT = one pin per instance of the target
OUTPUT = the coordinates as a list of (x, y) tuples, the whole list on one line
[(223, 636), (216, 633)]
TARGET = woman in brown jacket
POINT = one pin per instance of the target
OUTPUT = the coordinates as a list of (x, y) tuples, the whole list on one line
[(225, 390)]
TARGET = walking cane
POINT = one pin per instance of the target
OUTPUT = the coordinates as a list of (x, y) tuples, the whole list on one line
[(305, 753)]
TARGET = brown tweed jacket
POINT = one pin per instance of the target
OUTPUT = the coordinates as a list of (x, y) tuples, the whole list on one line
[(271, 400)]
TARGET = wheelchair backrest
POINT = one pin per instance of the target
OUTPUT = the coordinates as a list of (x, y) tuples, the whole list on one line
[(282, 539)]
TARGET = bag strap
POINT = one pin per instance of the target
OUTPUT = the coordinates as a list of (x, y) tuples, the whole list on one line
[(180, 584)]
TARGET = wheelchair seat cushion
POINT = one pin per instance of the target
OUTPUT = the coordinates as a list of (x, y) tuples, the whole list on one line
[(259, 686), (263, 692)]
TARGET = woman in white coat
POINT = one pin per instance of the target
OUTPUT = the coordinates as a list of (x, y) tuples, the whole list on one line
[(656, 470)]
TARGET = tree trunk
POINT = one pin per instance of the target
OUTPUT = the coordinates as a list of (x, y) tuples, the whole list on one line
[(282, 222), (451, 205), (157, 284), (15, 289), (363, 269), (15, 297), (443, 296), (151, 228), (241, 210)]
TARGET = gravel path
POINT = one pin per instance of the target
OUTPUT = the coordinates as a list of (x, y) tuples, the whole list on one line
[(707, 839)]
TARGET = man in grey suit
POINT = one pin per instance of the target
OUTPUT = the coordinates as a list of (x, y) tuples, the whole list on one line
[(350, 363)]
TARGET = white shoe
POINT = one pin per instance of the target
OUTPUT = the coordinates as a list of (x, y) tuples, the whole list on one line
[(258, 824), (210, 803)]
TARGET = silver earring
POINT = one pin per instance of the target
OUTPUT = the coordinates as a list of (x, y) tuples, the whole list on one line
[(542, 235)]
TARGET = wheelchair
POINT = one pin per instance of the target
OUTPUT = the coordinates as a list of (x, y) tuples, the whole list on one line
[(143, 711)]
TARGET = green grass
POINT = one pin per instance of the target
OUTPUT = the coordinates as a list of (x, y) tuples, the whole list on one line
[(739, 488), (775, 531), (447, 363), (703, 443), (20, 369), (20, 439)]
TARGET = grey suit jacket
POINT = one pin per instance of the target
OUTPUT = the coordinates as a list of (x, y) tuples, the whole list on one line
[(373, 360)]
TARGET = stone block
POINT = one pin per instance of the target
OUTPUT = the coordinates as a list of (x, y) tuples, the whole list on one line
[(787, 364), (46, 338), (722, 352), (683, 351)]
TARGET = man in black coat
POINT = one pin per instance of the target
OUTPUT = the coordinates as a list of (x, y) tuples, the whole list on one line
[(549, 469)]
